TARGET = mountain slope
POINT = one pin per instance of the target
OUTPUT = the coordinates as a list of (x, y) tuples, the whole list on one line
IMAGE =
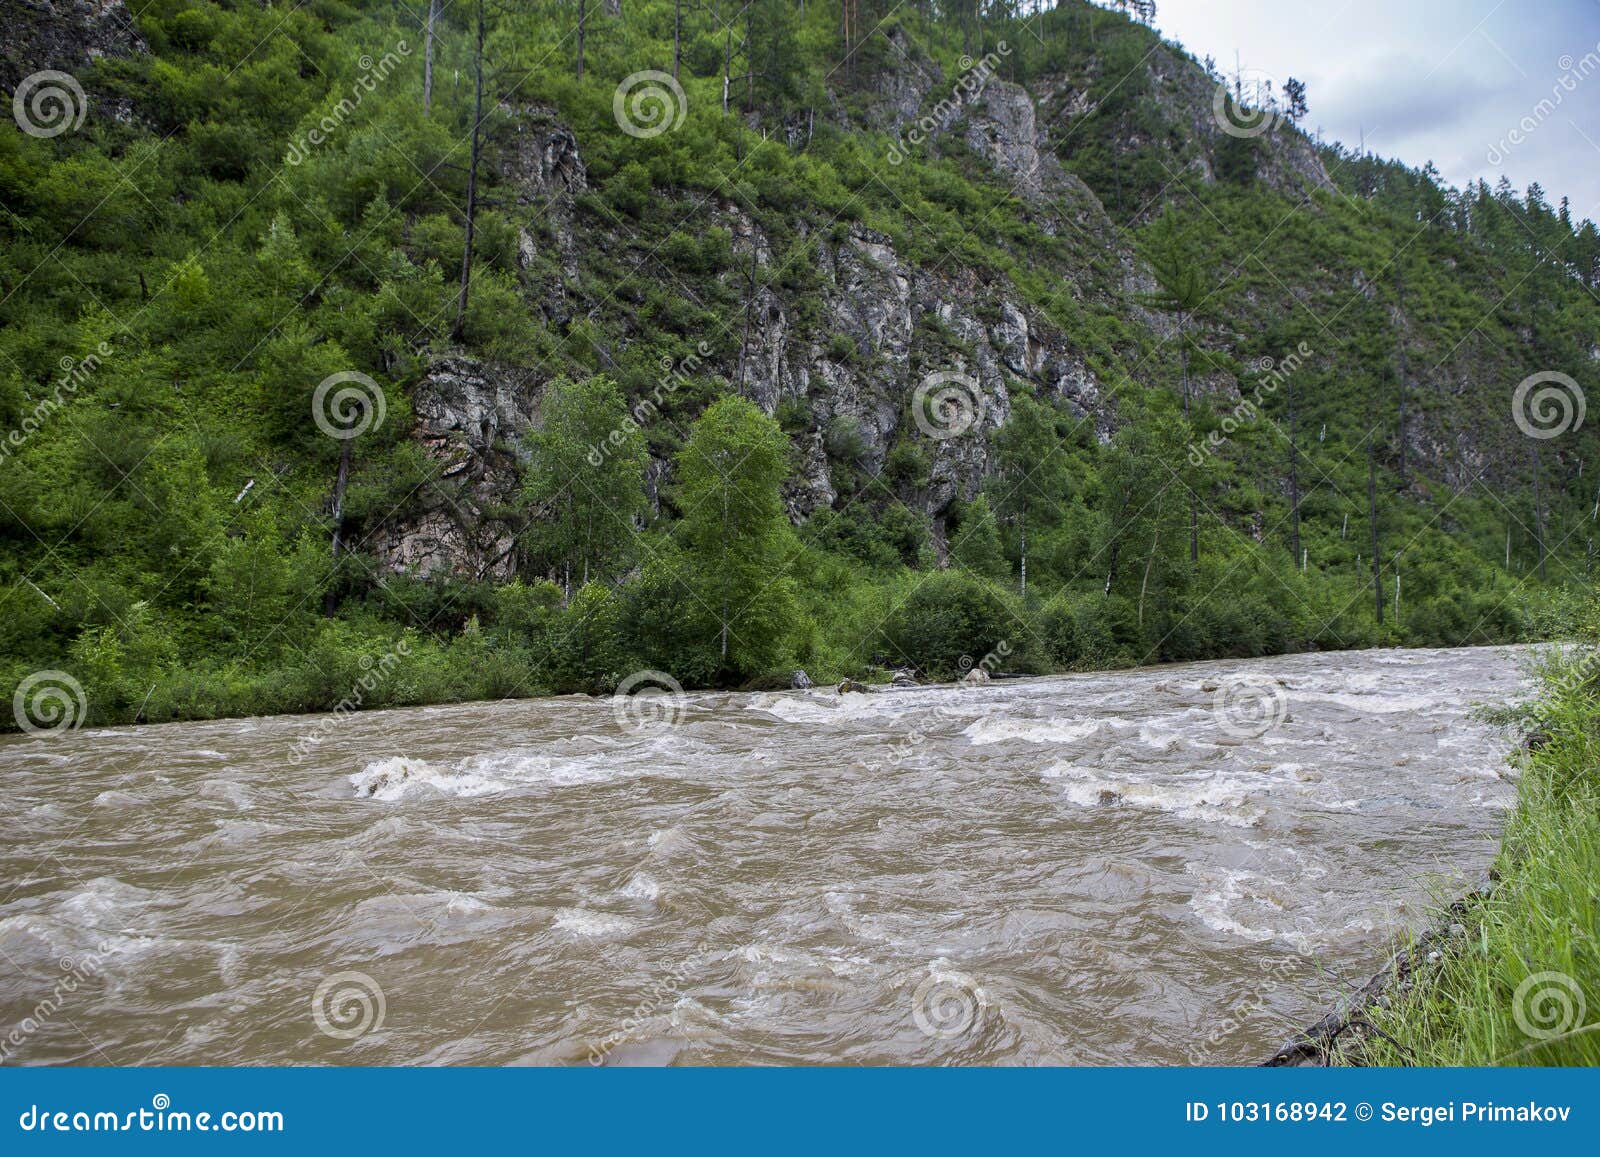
[(1021, 303)]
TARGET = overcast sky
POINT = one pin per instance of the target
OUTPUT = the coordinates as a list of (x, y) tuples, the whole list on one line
[(1440, 80)]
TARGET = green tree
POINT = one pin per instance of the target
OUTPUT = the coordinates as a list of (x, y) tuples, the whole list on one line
[(1142, 517), (1032, 476), (1294, 93), (975, 545), (776, 66), (736, 533), (586, 479), (1183, 287)]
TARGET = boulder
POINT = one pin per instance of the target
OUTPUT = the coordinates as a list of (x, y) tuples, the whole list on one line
[(976, 675), (800, 681)]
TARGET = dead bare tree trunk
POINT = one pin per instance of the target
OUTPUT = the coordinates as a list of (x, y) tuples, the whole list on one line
[(1372, 520), (1538, 509), (427, 59), (459, 329), (583, 17), (1144, 583), (1194, 510), (677, 35), (1400, 350), (1294, 481), (340, 482), (1022, 588)]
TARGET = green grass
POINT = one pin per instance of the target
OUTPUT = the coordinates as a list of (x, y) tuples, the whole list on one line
[(1525, 988)]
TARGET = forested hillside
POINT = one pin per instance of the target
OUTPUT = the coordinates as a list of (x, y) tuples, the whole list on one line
[(378, 352)]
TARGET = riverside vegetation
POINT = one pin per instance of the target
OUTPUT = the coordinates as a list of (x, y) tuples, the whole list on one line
[(1514, 985), (650, 399)]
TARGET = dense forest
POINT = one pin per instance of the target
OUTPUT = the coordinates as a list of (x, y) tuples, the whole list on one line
[(543, 343)]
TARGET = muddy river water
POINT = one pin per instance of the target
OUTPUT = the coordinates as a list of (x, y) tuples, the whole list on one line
[(1174, 865)]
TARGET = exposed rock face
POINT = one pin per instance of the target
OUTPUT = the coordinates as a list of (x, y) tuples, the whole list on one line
[(542, 158), (1003, 127), (64, 35), (542, 162), (902, 91), (886, 325), (889, 325), (471, 419)]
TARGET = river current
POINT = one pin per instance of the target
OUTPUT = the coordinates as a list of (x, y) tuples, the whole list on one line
[(1175, 865)]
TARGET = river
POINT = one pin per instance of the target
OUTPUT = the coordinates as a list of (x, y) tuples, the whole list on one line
[(1172, 865)]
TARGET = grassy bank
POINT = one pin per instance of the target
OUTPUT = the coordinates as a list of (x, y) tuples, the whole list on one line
[(1524, 988)]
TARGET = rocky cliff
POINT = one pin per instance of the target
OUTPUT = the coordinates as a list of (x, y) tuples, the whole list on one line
[(849, 355), (62, 35)]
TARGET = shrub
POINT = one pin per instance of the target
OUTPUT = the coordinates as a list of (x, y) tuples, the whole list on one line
[(946, 617)]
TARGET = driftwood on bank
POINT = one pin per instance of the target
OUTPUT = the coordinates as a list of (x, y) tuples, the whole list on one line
[(1338, 1038)]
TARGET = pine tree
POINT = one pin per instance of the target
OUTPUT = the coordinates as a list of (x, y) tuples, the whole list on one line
[(1183, 283), (1294, 95)]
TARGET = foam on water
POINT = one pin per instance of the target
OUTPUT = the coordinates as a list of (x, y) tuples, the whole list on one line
[(591, 925), (1375, 703), (117, 799), (396, 777), (1208, 796), (1003, 729), (640, 886), (831, 707)]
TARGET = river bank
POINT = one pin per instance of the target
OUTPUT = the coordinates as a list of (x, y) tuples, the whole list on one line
[(1510, 974), (343, 675)]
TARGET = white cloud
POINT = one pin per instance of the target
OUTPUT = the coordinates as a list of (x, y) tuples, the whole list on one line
[(1429, 80)]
